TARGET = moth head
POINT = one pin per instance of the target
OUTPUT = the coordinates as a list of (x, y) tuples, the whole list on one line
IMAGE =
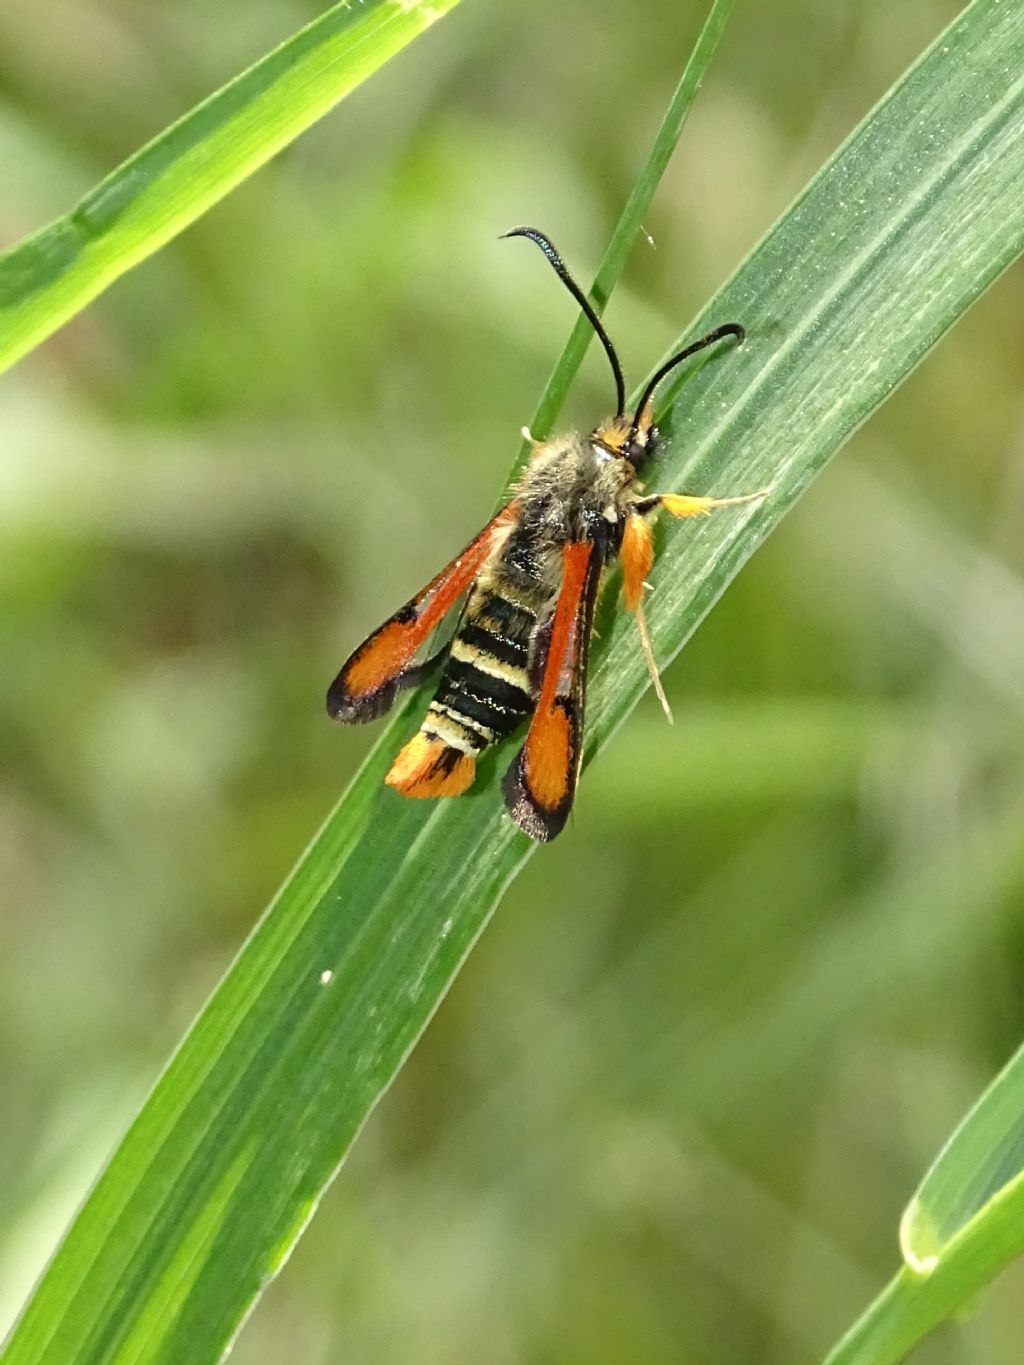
[(627, 438)]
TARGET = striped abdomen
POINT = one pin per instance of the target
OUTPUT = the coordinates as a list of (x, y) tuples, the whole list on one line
[(484, 690)]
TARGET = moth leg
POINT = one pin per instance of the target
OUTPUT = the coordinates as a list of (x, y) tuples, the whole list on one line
[(636, 554), (687, 505)]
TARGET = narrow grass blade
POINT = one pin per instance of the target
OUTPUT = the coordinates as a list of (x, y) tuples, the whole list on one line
[(209, 1190), (974, 1174), (964, 1224), (614, 261), (170, 182), (292, 1052)]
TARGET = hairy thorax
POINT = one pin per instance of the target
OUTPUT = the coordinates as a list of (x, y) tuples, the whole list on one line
[(573, 489)]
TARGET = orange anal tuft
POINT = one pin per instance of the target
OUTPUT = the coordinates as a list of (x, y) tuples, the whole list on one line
[(426, 766)]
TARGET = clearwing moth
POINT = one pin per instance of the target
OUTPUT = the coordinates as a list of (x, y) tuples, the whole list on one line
[(528, 584)]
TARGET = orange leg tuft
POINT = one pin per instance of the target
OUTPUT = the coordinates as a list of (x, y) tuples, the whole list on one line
[(683, 505), (636, 555)]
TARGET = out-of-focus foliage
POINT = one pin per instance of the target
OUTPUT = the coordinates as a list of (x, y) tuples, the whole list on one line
[(52, 274), (778, 954)]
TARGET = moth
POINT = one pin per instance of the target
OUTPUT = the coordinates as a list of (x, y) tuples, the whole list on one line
[(528, 584)]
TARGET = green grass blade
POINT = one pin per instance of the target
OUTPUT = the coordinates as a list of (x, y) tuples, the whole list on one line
[(964, 1224), (170, 182), (886, 249), (914, 1303), (224, 1166), (973, 1175)]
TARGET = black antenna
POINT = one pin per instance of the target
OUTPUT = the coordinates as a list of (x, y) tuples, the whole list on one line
[(727, 329), (563, 274)]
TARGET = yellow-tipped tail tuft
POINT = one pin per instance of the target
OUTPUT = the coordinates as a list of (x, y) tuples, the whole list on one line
[(427, 766)]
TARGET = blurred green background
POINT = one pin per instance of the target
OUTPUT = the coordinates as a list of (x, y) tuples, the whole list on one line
[(677, 1099)]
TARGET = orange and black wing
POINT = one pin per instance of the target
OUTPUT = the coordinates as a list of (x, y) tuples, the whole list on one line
[(540, 785), (369, 682)]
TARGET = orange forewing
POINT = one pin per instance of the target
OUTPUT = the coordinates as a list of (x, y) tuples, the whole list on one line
[(541, 782), (369, 681)]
